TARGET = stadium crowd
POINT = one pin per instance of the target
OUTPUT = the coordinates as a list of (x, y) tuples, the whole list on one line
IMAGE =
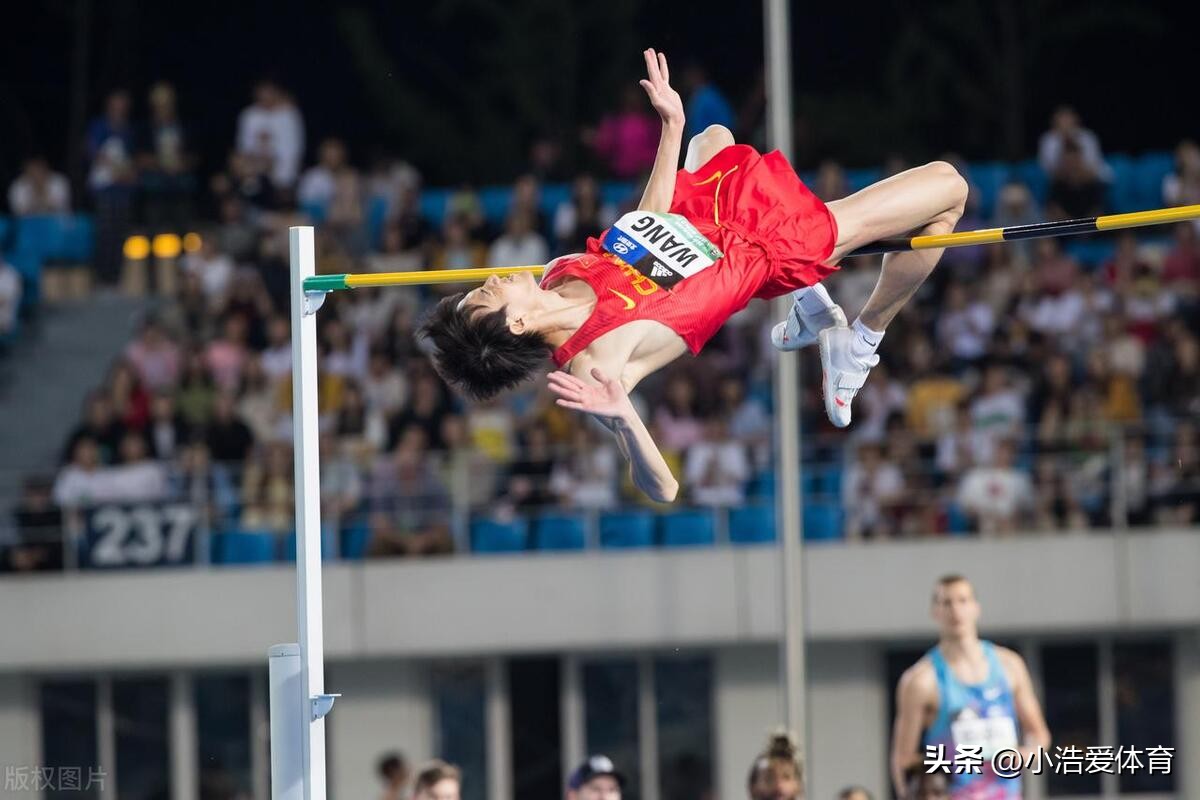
[(1025, 390)]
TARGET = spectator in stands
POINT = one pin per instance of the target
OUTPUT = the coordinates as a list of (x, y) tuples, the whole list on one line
[(11, 289), (998, 411), (212, 266), (520, 245), (111, 179), (397, 253), (997, 497), (267, 480), (38, 545), (410, 505), (956, 449), (925, 785), (130, 399), (831, 182), (249, 299), (1176, 482), (426, 408), (854, 793), (226, 356), (1178, 386), (333, 191), (1076, 188), (465, 204), (272, 129), (883, 397), (706, 104), (1056, 507), (1182, 187), (595, 779), (79, 483), (749, 420), (471, 476), (39, 190), (1133, 475), (100, 425), (717, 468), (582, 216), (1015, 206), (345, 352), (1053, 304), (777, 773), (871, 488), (197, 393), (438, 780), (933, 395), (137, 477), (1067, 130), (236, 234), (526, 484), (228, 438), (394, 772), (262, 404), (154, 357), (277, 357), (526, 199), (1181, 268), (677, 418), (965, 326), (166, 164), (208, 487), (341, 482), (167, 432), (457, 250), (626, 140), (385, 389), (587, 477)]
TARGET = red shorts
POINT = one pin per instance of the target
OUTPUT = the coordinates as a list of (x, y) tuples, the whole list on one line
[(740, 197)]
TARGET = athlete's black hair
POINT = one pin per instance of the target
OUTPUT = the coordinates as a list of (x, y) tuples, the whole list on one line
[(476, 352)]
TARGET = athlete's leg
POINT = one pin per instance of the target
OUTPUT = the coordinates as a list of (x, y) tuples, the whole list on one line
[(925, 200), (922, 200), (705, 145)]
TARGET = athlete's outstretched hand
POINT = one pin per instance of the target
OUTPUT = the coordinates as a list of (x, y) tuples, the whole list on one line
[(657, 84), (607, 399)]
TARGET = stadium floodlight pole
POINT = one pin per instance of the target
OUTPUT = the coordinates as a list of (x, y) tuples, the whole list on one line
[(790, 525), (297, 671)]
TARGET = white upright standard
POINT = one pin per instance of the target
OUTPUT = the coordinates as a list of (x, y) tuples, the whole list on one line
[(298, 707)]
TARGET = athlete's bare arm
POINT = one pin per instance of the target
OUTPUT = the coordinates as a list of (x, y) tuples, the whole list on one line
[(661, 187), (1035, 732), (606, 399), (916, 702)]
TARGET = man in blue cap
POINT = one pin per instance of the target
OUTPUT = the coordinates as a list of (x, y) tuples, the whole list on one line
[(595, 779)]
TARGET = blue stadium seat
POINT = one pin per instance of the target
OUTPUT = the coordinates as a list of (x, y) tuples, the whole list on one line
[(1151, 169), (80, 239), (621, 529), (5, 227), (753, 523), (988, 177), (355, 539), (43, 236), (822, 521), (433, 205), (495, 201), (491, 536), (29, 266), (315, 210), (377, 210), (1030, 173), (957, 520), (860, 178), (688, 528), (244, 547), (328, 545), (1123, 190), (559, 532), (762, 485)]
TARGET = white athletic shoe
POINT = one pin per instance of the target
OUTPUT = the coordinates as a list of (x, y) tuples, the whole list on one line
[(843, 375), (800, 329)]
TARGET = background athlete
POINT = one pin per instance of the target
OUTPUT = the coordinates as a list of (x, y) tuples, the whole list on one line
[(607, 325), (965, 692)]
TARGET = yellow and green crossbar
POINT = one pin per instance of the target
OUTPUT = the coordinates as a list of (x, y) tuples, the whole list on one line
[(1014, 233)]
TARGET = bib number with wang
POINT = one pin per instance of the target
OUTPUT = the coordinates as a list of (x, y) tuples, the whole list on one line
[(666, 248)]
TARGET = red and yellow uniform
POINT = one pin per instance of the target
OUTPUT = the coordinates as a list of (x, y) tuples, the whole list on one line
[(775, 235)]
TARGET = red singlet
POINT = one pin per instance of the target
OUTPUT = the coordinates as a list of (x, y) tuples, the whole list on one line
[(774, 232)]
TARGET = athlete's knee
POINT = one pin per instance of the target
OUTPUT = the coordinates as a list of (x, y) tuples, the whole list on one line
[(717, 136), (950, 181)]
